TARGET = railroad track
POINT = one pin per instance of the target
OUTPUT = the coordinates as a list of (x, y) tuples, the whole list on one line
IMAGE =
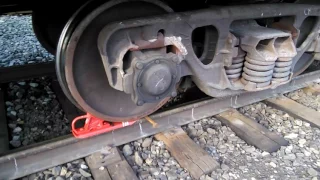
[(30, 159)]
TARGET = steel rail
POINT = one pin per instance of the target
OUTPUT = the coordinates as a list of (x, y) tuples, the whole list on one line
[(39, 157)]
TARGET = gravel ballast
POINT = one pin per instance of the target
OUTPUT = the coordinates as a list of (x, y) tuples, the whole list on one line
[(306, 98), (299, 160), (150, 160), (75, 170), (302, 155), (34, 113), (18, 43)]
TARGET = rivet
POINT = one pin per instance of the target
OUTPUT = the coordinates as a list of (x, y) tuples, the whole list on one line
[(175, 59), (140, 103), (157, 61), (139, 65), (174, 94), (157, 98), (139, 84)]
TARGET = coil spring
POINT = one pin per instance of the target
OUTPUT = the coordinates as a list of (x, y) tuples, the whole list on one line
[(234, 71), (259, 72), (282, 70)]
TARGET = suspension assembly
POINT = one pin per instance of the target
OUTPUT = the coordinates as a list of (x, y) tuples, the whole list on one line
[(234, 71), (269, 55)]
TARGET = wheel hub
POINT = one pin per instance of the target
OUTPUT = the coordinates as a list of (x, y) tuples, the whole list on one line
[(156, 79)]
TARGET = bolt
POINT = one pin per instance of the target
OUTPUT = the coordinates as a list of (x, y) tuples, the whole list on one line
[(139, 65), (157, 61), (157, 98), (139, 84), (174, 94), (175, 59), (174, 76), (140, 103)]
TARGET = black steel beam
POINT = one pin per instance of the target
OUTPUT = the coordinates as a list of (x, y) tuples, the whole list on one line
[(4, 136), (37, 158), (16, 73)]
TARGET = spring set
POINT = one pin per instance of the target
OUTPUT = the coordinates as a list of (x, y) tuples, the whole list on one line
[(234, 71), (282, 71), (258, 72)]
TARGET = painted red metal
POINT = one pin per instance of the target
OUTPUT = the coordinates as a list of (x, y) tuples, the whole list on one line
[(94, 126)]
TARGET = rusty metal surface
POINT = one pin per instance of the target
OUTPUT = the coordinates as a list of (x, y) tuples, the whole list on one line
[(269, 55), (212, 77), (234, 70), (101, 52), (23, 162)]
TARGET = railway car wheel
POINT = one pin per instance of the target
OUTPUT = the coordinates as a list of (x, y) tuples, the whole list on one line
[(303, 63), (47, 27), (45, 33), (307, 58), (80, 68)]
